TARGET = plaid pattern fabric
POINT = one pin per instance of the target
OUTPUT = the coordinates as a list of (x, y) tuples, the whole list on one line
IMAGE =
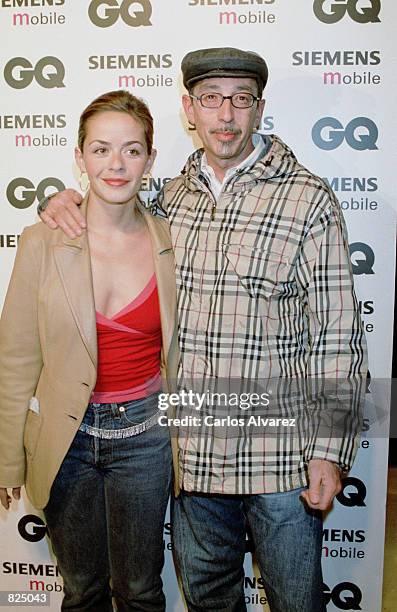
[(265, 291)]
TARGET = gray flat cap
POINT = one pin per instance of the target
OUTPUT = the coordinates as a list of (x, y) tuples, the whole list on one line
[(223, 62)]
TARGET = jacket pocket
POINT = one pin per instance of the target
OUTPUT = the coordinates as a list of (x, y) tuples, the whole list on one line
[(31, 433), (261, 273)]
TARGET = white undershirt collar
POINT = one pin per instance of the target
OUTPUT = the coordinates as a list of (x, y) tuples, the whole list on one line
[(260, 144)]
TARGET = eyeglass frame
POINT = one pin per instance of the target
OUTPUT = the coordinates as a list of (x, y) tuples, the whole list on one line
[(254, 99)]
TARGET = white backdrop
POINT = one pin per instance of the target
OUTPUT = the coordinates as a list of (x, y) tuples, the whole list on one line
[(331, 96)]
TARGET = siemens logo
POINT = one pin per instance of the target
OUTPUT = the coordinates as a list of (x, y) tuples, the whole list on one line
[(258, 599), (117, 62), (9, 241), (30, 569), (336, 58), (344, 535), (366, 307), (232, 17), (28, 122), (341, 58), (29, 3), (347, 183)]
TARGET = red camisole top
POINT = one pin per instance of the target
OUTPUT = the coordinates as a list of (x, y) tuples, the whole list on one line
[(129, 346)]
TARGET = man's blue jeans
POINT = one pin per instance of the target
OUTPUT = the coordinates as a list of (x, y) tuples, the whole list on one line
[(106, 512), (209, 540)]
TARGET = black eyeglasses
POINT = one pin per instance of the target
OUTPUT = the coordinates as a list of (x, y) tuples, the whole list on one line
[(215, 100)]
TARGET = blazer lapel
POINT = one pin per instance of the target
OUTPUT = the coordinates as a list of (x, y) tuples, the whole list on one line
[(164, 267), (73, 263)]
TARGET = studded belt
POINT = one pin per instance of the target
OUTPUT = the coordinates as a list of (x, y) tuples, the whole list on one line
[(127, 432)]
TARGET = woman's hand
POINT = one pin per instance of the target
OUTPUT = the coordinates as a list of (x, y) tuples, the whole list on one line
[(6, 499)]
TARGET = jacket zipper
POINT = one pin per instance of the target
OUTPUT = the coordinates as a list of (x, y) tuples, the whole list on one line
[(205, 189)]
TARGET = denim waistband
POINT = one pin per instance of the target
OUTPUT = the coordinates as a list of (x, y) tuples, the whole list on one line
[(110, 420)]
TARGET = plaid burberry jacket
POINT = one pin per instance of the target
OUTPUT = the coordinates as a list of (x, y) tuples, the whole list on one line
[(265, 295)]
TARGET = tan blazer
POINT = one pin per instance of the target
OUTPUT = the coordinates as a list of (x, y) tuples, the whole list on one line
[(48, 350)]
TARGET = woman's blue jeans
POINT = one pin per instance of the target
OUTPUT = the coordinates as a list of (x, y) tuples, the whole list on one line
[(106, 512), (209, 534)]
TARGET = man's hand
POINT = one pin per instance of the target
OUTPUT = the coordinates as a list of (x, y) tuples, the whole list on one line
[(63, 211), (324, 484), (6, 499)]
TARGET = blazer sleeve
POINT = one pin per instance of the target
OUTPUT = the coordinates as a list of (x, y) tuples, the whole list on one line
[(20, 357)]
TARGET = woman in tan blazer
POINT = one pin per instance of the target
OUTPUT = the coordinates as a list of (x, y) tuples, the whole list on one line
[(81, 352)]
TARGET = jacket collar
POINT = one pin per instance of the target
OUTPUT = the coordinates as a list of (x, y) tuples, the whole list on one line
[(73, 262), (278, 161), (72, 259)]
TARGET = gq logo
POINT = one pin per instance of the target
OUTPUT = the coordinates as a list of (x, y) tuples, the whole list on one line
[(105, 13), (29, 533), (364, 263), (21, 193), (332, 11), (360, 133), (49, 72), (345, 596), (354, 496)]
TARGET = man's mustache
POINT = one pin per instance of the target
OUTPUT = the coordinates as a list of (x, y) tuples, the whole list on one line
[(225, 130)]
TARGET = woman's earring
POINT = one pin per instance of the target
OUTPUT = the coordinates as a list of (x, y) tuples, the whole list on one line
[(84, 181)]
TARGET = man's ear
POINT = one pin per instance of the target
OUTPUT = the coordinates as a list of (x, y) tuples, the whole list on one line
[(187, 104), (78, 156)]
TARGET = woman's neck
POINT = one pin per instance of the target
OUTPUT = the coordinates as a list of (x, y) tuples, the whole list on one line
[(105, 218)]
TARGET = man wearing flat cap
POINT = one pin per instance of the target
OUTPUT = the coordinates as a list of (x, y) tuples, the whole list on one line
[(265, 293)]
